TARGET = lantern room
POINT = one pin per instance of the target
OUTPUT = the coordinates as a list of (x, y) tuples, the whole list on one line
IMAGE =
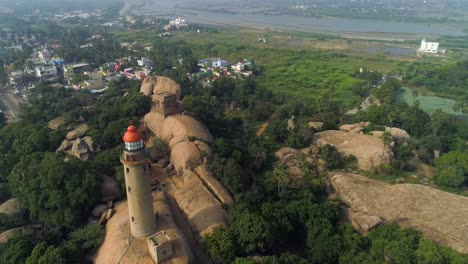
[(132, 139)]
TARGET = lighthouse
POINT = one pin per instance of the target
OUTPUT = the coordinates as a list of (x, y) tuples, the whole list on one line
[(138, 183)]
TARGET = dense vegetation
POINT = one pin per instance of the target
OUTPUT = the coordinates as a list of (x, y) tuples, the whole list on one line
[(449, 80), (278, 221), (55, 191)]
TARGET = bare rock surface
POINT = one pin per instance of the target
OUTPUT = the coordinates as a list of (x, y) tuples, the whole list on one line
[(109, 189), (82, 148), (201, 208), (398, 134), (160, 84), (439, 215), (66, 144), (284, 154), (77, 132), (56, 123), (316, 125), (369, 151), (120, 247), (215, 186), (6, 235), (10, 207), (99, 209)]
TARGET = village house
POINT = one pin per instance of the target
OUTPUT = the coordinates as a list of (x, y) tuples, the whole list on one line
[(45, 72), (429, 47), (220, 63)]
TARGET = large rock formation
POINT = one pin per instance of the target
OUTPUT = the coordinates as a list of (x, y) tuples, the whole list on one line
[(201, 208), (160, 84), (10, 207), (75, 144), (120, 247), (195, 196), (439, 215), (77, 132), (109, 189), (369, 151)]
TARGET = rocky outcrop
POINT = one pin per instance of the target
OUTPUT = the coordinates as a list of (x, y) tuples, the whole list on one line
[(286, 153), (6, 235), (356, 128), (56, 123), (439, 215), (316, 125), (82, 148), (369, 151), (120, 247), (160, 84), (214, 185), (77, 132), (201, 208), (109, 189), (398, 134), (99, 209), (10, 207)]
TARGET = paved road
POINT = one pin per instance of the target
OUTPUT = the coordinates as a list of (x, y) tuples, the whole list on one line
[(9, 103)]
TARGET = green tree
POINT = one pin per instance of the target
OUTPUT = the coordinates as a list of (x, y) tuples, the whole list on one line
[(230, 173), (251, 229), (429, 253), (43, 254), (56, 191), (221, 246), (437, 119), (83, 241), (282, 178), (449, 176), (16, 250), (386, 138), (331, 156), (461, 106), (159, 149)]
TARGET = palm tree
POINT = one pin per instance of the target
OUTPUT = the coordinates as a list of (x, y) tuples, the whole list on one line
[(386, 138), (282, 178)]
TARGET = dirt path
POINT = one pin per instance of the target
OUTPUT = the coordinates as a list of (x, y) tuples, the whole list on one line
[(264, 126)]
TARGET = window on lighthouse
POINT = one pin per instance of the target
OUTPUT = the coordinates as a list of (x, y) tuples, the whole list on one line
[(134, 145)]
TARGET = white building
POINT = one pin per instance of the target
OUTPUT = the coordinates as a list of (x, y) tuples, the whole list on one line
[(176, 24), (240, 66), (220, 63), (45, 72), (429, 47), (160, 246)]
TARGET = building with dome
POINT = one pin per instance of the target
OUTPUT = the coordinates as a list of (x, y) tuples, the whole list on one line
[(138, 184)]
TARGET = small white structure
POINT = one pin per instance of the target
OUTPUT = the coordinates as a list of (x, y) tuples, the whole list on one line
[(160, 246), (239, 67), (429, 47), (144, 62), (220, 63), (176, 24), (45, 72)]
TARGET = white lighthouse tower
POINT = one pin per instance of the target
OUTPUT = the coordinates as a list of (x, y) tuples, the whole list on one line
[(138, 183)]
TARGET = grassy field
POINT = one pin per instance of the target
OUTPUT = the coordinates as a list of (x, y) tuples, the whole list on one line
[(301, 65)]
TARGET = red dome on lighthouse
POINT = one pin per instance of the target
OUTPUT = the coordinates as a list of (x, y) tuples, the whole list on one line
[(132, 135)]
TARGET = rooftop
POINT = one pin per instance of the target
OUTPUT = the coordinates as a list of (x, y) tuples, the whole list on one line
[(160, 239)]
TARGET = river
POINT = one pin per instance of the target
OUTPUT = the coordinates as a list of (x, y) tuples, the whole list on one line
[(329, 25)]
